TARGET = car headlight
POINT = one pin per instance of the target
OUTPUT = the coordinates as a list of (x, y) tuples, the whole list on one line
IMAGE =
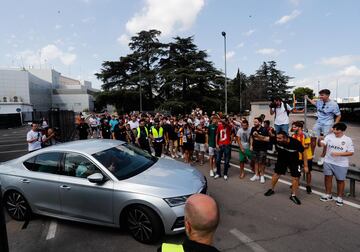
[(176, 201)]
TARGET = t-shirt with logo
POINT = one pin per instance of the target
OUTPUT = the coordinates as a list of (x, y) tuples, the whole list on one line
[(244, 135), (224, 134), (288, 153), (338, 144)]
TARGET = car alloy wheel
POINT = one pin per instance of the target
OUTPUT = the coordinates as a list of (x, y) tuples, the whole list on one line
[(143, 224), (16, 206)]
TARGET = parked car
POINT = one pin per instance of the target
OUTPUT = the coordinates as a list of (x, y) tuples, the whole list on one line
[(105, 182)]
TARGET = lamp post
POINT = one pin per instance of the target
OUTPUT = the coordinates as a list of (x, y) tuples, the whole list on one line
[(224, 35)]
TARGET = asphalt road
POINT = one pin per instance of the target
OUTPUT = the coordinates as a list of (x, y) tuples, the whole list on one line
[(249, 222)]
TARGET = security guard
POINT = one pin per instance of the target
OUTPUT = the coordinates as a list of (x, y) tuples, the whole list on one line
[(201, 221), (142, 135), (157, 136)]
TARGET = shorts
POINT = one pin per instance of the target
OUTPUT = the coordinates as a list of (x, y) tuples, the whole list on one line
[(212, 151), (339, 171), (244, 156), (188, 146), (310, 164), (173, 143), (295, 169), (200, 147), (321, 129), (259, 156)]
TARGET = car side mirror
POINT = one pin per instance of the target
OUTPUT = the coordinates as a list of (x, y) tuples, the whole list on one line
[(97, 178)]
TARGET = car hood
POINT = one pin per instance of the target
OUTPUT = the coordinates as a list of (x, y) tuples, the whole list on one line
[(168, 178)]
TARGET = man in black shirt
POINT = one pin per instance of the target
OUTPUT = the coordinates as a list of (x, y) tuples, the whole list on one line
[(201, 220), (288, 150), (200, 140), (119, 132), (142, 136), (258, 149), (83, 129), (105, 129)]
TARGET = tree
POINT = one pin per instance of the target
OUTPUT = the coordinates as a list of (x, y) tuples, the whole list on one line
[(300, 92)]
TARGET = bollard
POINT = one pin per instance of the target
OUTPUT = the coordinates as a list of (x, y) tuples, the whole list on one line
[(4, 247)]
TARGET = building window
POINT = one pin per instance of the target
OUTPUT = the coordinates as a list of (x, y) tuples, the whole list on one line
[(4, 99), (15, 99)]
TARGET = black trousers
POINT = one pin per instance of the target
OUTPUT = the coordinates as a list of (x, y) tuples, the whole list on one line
[(158, 148)]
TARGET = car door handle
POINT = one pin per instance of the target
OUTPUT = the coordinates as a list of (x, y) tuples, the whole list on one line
[(26, 181), (65, 187)]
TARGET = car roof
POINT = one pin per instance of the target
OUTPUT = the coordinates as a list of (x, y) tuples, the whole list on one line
[(89, 146)]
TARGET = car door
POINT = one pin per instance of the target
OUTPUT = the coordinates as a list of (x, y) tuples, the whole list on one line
[(40, 182), (79, 197)]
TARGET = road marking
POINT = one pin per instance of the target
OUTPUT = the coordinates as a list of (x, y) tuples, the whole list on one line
[(21, 150), (247, 240), (23, 144), (52, 230), (349, 203)]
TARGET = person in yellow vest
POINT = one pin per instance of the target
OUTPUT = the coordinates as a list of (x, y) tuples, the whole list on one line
[(297, 129), (201, 220), (157, 137), (142, 137)]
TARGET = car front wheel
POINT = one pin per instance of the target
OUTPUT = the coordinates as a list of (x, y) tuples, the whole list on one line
[(17, 206), (144, 224)]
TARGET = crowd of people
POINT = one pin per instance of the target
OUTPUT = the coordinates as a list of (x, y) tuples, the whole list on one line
[(195, 135)]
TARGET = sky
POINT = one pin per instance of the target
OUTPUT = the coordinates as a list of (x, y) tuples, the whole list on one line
[(315, 42)]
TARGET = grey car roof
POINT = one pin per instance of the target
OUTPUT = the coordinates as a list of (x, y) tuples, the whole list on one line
[(89, 146)]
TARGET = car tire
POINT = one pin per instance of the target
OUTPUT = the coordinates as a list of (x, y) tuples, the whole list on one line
[(144, 224), (17, 206)]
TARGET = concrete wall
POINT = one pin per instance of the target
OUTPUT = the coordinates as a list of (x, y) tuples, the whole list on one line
[(258, 108), (48, 75), (40, 93), (14, 83)]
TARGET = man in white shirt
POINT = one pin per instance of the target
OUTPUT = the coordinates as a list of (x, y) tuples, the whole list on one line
[(338, 150), (281, 111), (34, 138)]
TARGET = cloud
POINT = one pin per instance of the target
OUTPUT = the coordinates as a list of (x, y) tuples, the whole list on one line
[(57, 27), (351, 71), (249, 33), (295, 2), (46, 54), (269, 51), (124, 39), (88, 20), (167, 16), (287, 18), (230, 54), (299, 66), (71, 48), (341, 60), (240, 45)]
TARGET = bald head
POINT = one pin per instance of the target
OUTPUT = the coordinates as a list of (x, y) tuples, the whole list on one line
[(202, 212)]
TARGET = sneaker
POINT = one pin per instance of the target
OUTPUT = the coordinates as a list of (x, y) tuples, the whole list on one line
[(339, 201), (212, 173), (262, 179), (326, 197), (320, 162), (295, 199), (225, 177), (308, 189), (255, 177), (216, 176), (269, 192)]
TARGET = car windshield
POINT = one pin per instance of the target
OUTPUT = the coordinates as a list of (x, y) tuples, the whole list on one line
[(125, 161)]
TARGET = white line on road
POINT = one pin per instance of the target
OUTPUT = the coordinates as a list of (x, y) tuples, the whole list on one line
[(247, 241), (21, 150), (52, 230), (349, 203)]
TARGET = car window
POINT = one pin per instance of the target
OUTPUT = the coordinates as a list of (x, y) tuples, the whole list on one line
[(46, 162), (76, 165), (125, 161)]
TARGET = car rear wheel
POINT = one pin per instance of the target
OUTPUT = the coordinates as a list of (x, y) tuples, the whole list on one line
[(17, 206), (144, 224)]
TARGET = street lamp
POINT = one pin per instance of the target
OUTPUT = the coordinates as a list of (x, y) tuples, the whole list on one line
[(224, 35)]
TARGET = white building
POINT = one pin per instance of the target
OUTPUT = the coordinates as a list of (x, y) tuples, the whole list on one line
[(41, 90)]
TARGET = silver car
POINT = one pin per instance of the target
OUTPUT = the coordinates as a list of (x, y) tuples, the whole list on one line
[(105, 182)]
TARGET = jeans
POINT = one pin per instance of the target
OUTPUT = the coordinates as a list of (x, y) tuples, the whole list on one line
[(226, 150), (282, 127)]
